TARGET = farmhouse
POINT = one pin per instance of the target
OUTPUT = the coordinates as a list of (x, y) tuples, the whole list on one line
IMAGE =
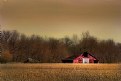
[(83, 58)]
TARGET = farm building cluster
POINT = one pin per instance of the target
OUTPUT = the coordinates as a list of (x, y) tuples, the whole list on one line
[(83, 58)]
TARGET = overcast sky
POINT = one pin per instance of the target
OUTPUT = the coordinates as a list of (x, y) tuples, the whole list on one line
[(58, 18)]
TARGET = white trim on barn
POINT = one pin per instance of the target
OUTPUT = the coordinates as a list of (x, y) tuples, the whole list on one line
[(85, 60)]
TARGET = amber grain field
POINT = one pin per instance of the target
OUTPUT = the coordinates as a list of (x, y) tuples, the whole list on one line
[(60, 72)]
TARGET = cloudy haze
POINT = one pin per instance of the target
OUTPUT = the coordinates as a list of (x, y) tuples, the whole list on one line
[(57, 18)]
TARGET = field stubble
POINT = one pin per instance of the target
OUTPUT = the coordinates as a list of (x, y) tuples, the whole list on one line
[(60, 72)]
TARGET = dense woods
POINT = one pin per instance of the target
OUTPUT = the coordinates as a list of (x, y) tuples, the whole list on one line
[(17, 47)]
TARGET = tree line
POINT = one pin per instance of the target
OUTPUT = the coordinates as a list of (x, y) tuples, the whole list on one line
[(17, 47)]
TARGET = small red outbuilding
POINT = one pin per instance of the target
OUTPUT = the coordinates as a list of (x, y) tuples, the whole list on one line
[(83, 58)]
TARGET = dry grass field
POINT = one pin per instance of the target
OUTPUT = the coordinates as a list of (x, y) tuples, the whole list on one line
[(60, 72)]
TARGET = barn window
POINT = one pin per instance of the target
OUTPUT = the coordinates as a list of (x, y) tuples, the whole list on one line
[(79, 61), (85, 60)]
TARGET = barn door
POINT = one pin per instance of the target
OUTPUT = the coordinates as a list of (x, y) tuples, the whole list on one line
[(85, 60)]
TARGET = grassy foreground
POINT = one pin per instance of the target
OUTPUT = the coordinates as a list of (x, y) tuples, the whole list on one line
[(60, 72)]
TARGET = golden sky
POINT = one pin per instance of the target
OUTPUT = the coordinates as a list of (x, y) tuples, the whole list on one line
[(58, 18)]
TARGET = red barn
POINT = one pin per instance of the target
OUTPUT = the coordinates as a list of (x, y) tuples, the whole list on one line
[(83, 58)]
